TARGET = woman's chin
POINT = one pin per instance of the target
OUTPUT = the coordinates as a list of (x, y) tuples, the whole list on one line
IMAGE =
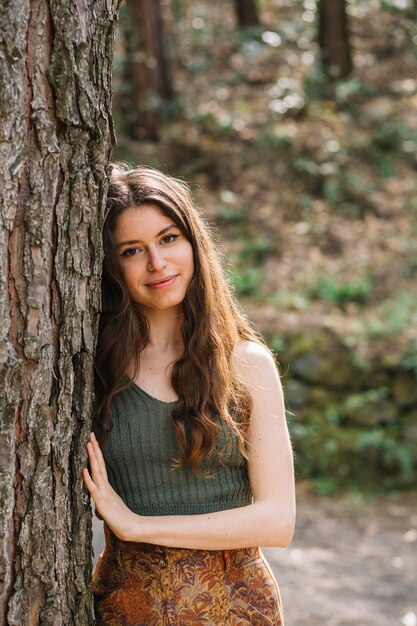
[(173, 305)]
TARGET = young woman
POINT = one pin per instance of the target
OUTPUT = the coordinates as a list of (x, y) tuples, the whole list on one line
[(191, 465)]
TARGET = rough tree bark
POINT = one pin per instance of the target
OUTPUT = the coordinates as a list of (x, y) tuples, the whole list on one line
[(246, 13), (55, 138), (334, 38), (147, 68)]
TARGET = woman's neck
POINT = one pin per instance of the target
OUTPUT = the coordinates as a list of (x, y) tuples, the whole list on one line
[(165, 331)]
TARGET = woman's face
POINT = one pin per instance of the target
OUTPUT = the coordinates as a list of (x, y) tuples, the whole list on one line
[(155, 258)]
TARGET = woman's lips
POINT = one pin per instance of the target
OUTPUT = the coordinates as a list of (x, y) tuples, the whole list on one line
[(162, 284)]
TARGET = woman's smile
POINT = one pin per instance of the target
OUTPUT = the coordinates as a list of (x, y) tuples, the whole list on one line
[(155, 257), (161, 283)]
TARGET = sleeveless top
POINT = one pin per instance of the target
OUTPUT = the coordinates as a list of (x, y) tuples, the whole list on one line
[(138, 453)]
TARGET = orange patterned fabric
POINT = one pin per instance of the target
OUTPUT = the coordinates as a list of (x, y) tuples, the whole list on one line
[(141, 584)]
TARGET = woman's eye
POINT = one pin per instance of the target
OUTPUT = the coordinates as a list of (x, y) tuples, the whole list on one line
[(169, 238), (130, 252)]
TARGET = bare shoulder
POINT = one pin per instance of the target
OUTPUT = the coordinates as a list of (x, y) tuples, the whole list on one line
[(253, 360), (246, 349)]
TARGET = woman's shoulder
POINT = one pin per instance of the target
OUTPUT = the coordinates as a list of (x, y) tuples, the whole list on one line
[(249, 347), (256, 367), (250, 354)]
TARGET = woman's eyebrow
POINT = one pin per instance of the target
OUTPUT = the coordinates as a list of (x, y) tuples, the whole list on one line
[(131, 241)]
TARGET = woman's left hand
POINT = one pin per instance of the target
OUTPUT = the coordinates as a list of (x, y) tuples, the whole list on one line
[(108, 503)]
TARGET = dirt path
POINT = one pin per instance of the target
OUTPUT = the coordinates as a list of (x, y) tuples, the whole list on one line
[(352, 562)]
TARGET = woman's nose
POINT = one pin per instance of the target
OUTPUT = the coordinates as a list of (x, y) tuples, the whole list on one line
[(156, 260)]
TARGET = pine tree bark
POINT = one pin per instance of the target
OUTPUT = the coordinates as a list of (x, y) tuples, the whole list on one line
[(246, 13), (55, 139), (334, 38), (147, 68)]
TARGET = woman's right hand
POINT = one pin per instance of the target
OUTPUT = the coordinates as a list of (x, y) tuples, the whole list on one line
[(108, 503)]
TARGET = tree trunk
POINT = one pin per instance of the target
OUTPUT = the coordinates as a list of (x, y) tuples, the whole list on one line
[(55, 139), (246, 13), (147, 71), (334, 38)]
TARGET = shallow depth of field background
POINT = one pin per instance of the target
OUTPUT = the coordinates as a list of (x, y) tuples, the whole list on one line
[(310, 182)]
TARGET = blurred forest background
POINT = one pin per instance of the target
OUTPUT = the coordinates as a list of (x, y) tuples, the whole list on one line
[(298, 134), (295, 122)]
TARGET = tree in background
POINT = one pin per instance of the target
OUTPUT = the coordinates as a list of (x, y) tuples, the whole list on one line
[(246, 12), (147, 73), (334, 38), (55, 138)]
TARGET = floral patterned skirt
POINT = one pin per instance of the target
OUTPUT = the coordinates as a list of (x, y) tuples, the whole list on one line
[(142, 584)]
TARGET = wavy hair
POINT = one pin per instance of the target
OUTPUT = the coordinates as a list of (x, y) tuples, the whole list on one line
[(212, 325)]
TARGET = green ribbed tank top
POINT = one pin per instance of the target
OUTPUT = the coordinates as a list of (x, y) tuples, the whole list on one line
[(138, 453)]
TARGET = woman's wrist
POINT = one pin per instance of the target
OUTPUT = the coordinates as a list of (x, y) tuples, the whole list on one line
[(135, 528)]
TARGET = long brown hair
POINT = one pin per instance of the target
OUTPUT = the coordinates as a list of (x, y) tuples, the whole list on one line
[(212, 325)]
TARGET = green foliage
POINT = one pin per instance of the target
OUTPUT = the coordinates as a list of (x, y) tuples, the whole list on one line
[(358, 400), (332, 190), (325, 486), (315, 83), (352, 89), (346, 190), (333, 416), (277, 343), (395, 315), (317, 450), (327, 288), (178, 11), (390, 141), (214, 125), (247, 282), (334, 456), (386, 166), (304, 201), (255, 249), (290, 299), (344, 92), (401, 312), (306, 165), (409, 358), (231, 215), (410, 270), (393, 454), (386, 145), (271, 142), (247, 274), (250, 38), (395, 6), (390, 135)]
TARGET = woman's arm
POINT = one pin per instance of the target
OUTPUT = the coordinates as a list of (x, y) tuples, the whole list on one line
[(268, 521)]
